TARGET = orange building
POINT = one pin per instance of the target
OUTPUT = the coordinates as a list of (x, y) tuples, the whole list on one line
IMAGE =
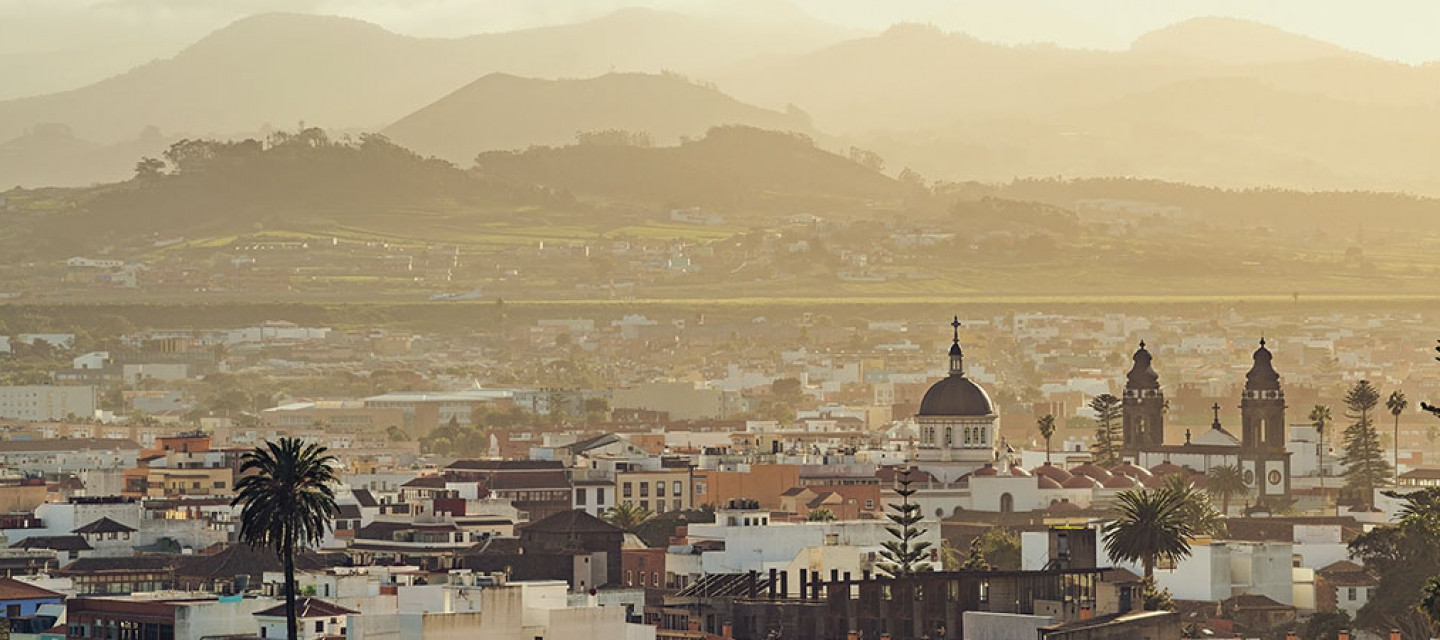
[(764, 483)]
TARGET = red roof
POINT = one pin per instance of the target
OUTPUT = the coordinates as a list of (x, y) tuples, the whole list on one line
[(12, 589)]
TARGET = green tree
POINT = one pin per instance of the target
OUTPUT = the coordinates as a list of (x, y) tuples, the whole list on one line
[(1364, 459), (1396, 404), (1226, 482), (1430, 601), (820, 515), (149, 169), (1046, 426), (1197, 509), (628, 516), (285, 488), (1324, 625), (1151, 527), (1001, 548), (975, 558), (1107, 429), (1155, 598), (396, 434), (904, 554), (1404, 556)]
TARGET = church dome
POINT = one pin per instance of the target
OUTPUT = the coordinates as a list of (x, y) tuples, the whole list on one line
[(986, 471), (1046, 482), (956, 395), (1166, 468), (1142, 375), (1262, 375), (1080, 482), (1019, 471)]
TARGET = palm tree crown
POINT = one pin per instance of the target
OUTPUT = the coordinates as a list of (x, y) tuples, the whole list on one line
[(1152, 526), (288, 502), (1226, 482)]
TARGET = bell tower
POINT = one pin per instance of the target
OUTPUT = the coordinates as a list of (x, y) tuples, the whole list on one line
[(1143, 405), (1262, 406)]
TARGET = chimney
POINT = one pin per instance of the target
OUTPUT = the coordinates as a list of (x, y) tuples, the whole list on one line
[(726, 630), (774, 583), (1291, 635), (785, 585), (1085, 613), (1343, 635), (1394, 634), (815, 584), (804, 584), (853, 635)]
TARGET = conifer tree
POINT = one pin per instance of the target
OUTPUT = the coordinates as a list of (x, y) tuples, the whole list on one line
[(905, 554), (1106, 447), (1364, 459)]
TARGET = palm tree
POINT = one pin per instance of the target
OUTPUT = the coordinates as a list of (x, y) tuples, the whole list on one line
[(1397, 403), (1226, 482), (1151, 527), (1046, 425), (285, 490), (1320, 417), (628, 516)]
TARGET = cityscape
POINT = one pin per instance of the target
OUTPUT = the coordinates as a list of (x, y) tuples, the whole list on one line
[(698, 320)]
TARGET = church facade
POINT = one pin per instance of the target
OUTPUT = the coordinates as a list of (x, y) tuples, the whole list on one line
[(1259, 452), (957, 422)]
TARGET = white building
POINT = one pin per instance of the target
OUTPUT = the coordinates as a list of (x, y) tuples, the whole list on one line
[(42, 403)]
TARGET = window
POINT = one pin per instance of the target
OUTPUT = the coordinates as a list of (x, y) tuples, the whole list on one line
[(262, 632), (678, 490), (645, 504), (679, 505), (629, 578), (580, 496), (219, 484), (644, 489), (1350, 594), (660, 489), (599, 495), (625, 488), (869, 504)]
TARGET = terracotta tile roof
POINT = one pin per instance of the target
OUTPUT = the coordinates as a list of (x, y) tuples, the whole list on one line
[(11, 589)]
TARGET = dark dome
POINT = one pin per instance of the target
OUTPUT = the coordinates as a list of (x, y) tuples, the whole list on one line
[(1262, 376), (1046, 482), (1142, 375), (987, 470), (1099, 473), (1130, 469), (956, 395), (1080, 482)]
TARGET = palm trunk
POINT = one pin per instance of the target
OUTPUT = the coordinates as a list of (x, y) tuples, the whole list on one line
[(1149, 564), (1225, 504), (292, 630), (1047, 450), (1397, 450)]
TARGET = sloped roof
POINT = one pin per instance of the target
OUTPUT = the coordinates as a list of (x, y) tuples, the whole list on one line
[(104, 525), (1254, 601), (11, 589), (574, 521), (365, 498), (308, 607), (243, 559), (86, 566), (55, 543)]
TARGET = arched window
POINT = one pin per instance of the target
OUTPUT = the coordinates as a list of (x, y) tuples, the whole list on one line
[(949, 436), (1007, 503)]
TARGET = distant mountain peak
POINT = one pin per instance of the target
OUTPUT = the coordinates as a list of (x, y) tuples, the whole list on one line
[(1237, 41)]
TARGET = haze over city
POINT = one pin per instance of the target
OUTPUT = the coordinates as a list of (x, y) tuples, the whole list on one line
[(719, 320)]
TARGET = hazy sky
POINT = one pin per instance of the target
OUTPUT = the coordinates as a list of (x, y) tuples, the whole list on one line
[(1396, 29)]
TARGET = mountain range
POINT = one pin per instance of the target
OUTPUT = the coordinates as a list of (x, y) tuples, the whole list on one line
[(1217, 101)]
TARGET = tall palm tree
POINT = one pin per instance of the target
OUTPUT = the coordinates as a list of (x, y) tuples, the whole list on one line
[(1046, 425), (1226, 482), (1151, 527), (1397, 403), (288, 502), (1320, 417)]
